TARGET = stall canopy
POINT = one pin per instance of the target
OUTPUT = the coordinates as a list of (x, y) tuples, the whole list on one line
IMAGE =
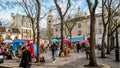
[(76, 39), (16, 43), (7, 41), (54, 40), (84, 41)]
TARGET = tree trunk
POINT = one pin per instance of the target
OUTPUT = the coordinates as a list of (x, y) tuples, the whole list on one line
[(108, 37), (62, 38), (117, 47), (112, 43), (92, 62), (103, 43), (33, 28), (38, 30)]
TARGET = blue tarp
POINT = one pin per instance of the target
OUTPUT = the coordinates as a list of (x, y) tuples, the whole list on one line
[(16, 43), (74, 39), (35, 49), (54, 40), (19, 41)]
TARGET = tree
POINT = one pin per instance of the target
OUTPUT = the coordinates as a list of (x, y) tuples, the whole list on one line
[(62, 16), (92, 9), (104, 14), (30, 9), (38, 29), (70, 26), (111, 6)]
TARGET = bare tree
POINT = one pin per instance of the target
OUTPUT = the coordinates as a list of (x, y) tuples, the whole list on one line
[(104, 29), (38, 29), (92, 9), (4, 22), (30, 9), (70, 26), (111, 8), (62, 16)]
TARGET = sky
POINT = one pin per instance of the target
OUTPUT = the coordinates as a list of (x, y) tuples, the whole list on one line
[(49, 4)]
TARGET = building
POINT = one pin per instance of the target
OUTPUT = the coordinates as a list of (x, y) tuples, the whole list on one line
[(82, 27), (43, 33), (50, 25), (24, 25), (9, 33)]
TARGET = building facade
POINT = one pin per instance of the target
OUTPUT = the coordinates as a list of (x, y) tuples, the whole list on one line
[(24, 25), (9, 33), (82, 27), (50, 25)]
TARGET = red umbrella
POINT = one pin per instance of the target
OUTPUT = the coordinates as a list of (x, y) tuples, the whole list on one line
[(28, 41), (84, 41)]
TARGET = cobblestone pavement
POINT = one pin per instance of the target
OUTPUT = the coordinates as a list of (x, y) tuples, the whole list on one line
[(73, 60)]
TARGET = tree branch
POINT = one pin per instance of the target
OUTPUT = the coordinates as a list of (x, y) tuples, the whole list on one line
[(58, 8), (116, 8), (68, 6), (95, 5), (90, 6), (118, 26)]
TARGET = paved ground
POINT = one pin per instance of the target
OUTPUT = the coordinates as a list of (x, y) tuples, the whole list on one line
[(73, 60)]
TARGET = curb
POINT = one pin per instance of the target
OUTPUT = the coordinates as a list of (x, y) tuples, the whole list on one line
[(105, 66)]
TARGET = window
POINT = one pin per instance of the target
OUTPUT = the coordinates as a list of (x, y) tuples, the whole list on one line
[(79, 25), (49, 21), (79, 33)]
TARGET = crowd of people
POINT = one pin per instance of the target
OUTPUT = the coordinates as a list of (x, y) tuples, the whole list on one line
[(6, 50), (26, 51)]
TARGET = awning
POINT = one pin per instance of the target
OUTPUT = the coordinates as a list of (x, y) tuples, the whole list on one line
[(76, 39)]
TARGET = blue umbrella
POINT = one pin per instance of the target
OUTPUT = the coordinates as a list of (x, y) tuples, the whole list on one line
[(16, 43), (54, 40)]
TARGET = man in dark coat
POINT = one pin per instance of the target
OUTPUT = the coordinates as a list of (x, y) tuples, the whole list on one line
[(78, 47), (53, 49), (26, 58)]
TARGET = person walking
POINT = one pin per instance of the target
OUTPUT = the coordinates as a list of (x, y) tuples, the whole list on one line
[(87, 50), (53, 49), (26, 58), (77, 47)]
